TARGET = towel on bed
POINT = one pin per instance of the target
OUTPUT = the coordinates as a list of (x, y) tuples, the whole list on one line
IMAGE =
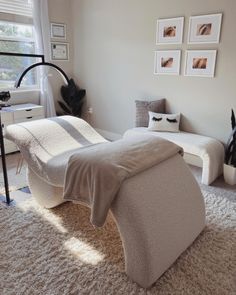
[(94, 174)]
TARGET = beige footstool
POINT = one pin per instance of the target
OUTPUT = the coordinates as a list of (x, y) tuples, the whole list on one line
[(208, 149)]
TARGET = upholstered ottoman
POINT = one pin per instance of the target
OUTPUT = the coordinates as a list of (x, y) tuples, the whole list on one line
[(210, 150)]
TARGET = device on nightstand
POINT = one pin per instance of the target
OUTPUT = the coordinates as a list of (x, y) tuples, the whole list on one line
[(4, 96)]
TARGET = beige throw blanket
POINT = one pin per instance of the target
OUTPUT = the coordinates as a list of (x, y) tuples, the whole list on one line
[(94, 174)]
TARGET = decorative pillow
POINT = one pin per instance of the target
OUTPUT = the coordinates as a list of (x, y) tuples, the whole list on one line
[(143, 107), (163, 122)]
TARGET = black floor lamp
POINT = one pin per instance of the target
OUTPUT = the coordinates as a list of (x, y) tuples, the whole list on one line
[(5, 95)]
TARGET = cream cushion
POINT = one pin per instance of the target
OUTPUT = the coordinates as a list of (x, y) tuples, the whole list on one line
[(47, 144), (210, 150)]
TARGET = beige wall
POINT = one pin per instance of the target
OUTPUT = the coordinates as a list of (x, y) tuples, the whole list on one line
[(114, 43), (60, 12)]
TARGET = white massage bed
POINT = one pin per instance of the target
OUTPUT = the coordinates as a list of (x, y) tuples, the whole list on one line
[(159, 212)]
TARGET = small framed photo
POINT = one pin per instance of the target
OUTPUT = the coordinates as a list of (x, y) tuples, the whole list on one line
[(58, 31), (59, 51), (167, 62), (170, 31), (200, 63), (204, 29)]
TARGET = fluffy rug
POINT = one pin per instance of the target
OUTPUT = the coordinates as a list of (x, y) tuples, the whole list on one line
[(57, 251)]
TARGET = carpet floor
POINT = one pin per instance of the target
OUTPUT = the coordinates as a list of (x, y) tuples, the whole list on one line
[(57, 251)]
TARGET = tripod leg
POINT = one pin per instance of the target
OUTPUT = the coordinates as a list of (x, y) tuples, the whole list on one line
[(4, 167)]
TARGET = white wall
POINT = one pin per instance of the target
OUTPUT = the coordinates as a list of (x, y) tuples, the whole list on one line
[(114, 43)]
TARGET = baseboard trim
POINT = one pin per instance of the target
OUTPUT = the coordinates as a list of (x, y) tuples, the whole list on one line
[(109, 135)]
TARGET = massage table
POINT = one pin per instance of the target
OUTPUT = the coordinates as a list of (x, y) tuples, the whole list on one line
[(159, 212)]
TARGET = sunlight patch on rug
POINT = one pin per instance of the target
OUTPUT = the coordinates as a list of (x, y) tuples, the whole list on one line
[(46, 214), (83, 251)]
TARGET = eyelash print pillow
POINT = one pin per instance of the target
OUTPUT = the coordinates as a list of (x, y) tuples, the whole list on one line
[(156, 119), (163, 122)]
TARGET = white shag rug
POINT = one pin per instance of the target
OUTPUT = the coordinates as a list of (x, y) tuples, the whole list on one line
[(57, 251)]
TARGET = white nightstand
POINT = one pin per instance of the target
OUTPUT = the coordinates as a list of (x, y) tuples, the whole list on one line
[(16, 114)]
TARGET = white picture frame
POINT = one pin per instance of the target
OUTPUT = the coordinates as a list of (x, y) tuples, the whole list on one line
[(200, 63), (170, 31), (58, 31), (59, 51), (167, 62), (204, 29)]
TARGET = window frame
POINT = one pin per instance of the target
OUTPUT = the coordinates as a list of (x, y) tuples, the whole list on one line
[(19, 21)]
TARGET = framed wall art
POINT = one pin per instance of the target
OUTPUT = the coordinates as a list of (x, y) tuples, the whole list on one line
[(167, 62), (170, 31), (59, 51), (200, 63), (204, 29), (58, 31)]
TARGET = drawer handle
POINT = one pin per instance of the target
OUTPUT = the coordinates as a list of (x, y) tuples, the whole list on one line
[(29, 117), (28, 110)]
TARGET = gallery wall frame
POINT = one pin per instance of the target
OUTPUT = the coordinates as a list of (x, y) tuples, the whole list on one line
[(59, 51), (169, 31), (167, 62), (58, 31), (200, 63), (204, 29)]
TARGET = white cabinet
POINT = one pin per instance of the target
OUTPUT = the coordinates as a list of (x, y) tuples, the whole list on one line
[(7, 119), (17, 114)]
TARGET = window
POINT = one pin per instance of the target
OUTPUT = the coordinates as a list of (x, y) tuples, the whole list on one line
[(16, 36)]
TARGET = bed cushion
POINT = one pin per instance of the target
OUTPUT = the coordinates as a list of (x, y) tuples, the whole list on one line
[(163, 122), (143, 107), (47, 144)]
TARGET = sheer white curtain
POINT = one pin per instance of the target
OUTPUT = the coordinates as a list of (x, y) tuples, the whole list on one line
[(42, 30)]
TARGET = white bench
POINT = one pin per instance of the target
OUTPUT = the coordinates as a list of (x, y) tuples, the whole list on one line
[(210, 150)]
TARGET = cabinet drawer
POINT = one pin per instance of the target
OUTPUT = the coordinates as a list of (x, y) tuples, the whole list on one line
[(28, 119), (17, 114), (7, 117), (26, 113)]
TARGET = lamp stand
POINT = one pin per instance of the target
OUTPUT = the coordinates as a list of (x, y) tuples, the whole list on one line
[(4, 167), (17, 84)]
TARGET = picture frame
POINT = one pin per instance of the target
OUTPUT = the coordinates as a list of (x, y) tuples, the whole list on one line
[(58, 31), (200, 63), (59, 51), (170, 31), (204, 29), (167, 62)]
